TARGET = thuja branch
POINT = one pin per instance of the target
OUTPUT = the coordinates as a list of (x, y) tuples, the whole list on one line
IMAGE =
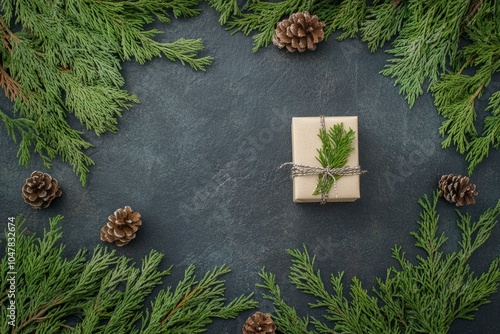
[(181, 303), (11, 87), (421, 297), (193, 304), (65, 57), (336, 146), (456, 94), (106, 293)]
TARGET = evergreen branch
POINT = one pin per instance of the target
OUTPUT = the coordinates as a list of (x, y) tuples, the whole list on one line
[(455, 97), (416, 298), (236, 306), (284, 316), (383, 22), (363, 316), (426, 236), (327, 11), (477, 292), (303, 277), (7, 36), (334, 153), (424, 44), (226, 9), (185, 51), (140, 284), (474, 7), (97, 312), (97, 106), (349, 18), (65, 58), (11, 87), (22, 126), (56, 137), (475, 235), (180, 304), (190, 308), (479, 147), (180, 8), (456, 94), (106, 293)]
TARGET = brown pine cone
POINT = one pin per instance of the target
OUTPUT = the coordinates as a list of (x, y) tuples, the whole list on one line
[(457, 189), (299, 32), (40, 189), (259, 323), (121, 226)]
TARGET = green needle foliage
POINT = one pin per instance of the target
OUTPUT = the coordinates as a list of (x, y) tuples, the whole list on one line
[(63, 57), (334, 153), (457, 92), (227, 9), (425, 297), (383, 21), (428, 38), (106, 293), (479, 147)]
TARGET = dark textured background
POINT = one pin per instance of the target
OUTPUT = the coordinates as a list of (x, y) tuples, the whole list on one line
[(198, 159)]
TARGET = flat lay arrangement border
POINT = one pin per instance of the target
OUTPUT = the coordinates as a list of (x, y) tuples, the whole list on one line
[(34, 131)]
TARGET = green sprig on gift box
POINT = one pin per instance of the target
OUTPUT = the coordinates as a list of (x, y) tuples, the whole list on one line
[(336, 146)]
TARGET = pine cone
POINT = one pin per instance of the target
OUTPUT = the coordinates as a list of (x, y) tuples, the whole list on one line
[(457, 189), (40, 189), (259, 323), (300, 31), (121, 227)]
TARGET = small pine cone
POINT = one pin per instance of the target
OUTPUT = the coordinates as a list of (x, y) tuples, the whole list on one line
[(259, 323), (457, 189), (121, 226), (40, 189), (299, 32)]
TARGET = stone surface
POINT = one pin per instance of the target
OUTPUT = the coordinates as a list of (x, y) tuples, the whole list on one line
[(200, 157)]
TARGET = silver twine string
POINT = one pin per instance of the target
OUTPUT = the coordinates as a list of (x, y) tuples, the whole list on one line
[(325, 172)]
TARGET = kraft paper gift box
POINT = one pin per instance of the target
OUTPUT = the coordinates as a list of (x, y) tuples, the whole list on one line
[(305, 142)]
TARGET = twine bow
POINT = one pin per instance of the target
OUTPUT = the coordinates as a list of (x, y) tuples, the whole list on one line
[(325, 172)]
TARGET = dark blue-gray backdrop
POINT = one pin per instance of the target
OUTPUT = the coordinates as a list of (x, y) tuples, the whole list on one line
[(198, 159)]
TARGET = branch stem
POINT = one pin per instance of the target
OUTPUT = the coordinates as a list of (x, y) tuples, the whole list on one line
[(180, 304)]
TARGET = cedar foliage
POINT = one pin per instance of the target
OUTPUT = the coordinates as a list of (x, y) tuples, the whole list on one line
[(425, 297), (336, 146), (106, 293), (63, 57), (431, 43)]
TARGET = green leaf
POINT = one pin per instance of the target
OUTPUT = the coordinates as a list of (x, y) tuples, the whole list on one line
[(479, 147), (105, 293), (285, 317), (383, 22), (64, 57), (349, 18), (334, 153)]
